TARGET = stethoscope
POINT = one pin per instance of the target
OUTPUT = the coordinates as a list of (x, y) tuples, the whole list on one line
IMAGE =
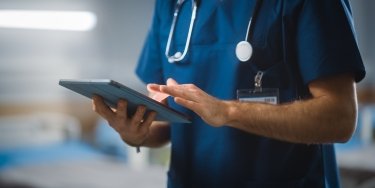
[(244, 49)]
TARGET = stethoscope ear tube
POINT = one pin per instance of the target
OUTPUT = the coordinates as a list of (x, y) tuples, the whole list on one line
[(244, 49)]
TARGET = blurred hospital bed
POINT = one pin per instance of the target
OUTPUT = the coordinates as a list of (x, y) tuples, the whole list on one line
[(45, 150)]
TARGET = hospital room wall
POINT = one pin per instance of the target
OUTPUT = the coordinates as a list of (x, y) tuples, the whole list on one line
[(365, 28), (32, 61)]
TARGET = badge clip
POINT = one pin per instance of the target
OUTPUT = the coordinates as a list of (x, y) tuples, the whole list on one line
[(258, 81), (259, 94)]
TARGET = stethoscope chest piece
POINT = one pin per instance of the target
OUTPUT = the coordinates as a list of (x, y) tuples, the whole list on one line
[(244, 50)]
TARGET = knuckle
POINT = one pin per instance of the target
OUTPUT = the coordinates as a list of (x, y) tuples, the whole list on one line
[(140, 112), (137, 118), (193, 86), (152, 115), (142, 108), (121, 104)]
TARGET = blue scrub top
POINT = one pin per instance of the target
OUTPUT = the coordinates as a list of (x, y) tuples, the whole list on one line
[(295, 42)]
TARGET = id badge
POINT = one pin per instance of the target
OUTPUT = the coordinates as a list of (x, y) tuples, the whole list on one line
[(259, 94), (265, 95)]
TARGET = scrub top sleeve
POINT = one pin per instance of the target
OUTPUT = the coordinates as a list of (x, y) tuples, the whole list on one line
[(325, 41), (149, 67)]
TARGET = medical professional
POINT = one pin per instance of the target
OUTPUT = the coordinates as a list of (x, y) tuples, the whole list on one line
[(269, 86)]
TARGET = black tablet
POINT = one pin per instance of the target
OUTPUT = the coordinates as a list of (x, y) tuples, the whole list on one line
[(112, 91)]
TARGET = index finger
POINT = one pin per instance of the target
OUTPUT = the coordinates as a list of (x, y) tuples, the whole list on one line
[(101, 108), (181, 91)]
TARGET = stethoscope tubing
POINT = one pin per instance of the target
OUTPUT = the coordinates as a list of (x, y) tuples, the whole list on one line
[(178, 56), (243, 49)]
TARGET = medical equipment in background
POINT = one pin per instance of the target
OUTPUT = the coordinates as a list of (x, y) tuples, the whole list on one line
[(244, 49)]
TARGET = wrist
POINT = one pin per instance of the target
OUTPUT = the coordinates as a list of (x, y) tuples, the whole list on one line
[(132, 144), (231, 113), (137, 147)]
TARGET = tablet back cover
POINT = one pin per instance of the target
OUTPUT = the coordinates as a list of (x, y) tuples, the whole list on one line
[(112, 91)]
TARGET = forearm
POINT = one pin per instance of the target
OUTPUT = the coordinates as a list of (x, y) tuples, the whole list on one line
[(328, 116), (317, 120), (159, 134)]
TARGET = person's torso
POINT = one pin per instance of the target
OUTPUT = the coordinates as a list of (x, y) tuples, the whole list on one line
[(203, 156)]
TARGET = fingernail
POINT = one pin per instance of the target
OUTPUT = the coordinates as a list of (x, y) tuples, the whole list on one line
[(160, 96)]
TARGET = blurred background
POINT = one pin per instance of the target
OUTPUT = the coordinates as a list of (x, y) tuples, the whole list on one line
[(50, 137)]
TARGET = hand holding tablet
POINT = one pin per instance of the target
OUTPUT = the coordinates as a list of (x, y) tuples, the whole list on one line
[(112, 92)]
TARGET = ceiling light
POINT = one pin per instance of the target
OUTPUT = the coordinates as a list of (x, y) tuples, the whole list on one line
[(48, 20)]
